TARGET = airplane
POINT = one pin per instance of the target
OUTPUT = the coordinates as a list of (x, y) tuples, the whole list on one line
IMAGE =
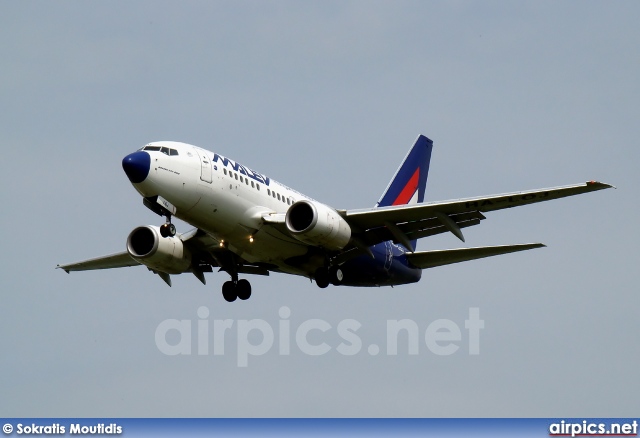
[(249, 224)]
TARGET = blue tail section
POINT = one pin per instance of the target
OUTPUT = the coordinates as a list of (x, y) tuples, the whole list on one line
[(410, 181)]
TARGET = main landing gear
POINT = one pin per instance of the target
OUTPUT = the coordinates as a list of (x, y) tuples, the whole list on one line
[(168, 229), (328, 275), (236, 289)]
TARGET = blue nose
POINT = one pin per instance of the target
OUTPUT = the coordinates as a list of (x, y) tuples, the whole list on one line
[(136, 166)]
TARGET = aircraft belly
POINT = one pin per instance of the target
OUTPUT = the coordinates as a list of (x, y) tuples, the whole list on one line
[(275, 248), (389, 267), (231, 218)]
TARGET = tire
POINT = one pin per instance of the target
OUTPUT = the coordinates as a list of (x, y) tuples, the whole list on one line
[(243, 288), (322, 277), (229, 291), (163, 231), (171, 230)]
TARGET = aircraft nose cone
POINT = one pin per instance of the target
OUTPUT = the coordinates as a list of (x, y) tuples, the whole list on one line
[(136, 166)]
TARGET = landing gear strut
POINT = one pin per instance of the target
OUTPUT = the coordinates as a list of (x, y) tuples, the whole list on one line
[(328, 275)]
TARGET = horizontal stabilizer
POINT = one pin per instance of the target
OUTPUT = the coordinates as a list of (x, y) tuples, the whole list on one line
[(431, 259)]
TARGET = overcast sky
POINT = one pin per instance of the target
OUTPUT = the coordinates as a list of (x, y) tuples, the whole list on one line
[(325, 97)]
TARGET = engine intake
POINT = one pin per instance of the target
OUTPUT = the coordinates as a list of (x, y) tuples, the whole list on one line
[(317, 224), (164, 254)]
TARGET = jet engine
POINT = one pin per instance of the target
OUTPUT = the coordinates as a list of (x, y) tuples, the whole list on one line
[(317, 224), (164, 254)]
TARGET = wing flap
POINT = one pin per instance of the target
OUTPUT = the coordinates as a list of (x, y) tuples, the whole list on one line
[(431, 259), (420, 228)]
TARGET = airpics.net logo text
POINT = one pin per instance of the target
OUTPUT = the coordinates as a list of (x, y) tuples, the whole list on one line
[(312, 337)]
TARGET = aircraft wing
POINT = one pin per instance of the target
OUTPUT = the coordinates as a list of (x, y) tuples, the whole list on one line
[(431, 259), (405, 223), (206, 255), (195, 239), (119, 260)]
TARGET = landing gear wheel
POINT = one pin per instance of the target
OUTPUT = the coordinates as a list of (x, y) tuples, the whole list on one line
[(229, 291), (336, 275), (168, 230), (243, 288), (322, 277)]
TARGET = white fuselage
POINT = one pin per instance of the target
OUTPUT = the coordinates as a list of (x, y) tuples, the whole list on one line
[(224, 199)]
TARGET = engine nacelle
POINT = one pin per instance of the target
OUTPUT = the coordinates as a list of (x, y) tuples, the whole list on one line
[(318, 224), (164, 254)]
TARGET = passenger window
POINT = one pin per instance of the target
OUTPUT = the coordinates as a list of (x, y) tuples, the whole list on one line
[(252, 185), (268, 192), (241, 180), (225, 171), (288, 201), (278, 196), (236, 175), (273, 194), (258, 187), (246, 181)]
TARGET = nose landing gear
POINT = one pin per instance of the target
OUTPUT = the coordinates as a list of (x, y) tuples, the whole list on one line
[(162, 207), (168, 229)]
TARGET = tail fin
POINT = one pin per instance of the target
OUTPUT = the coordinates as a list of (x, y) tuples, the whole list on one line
[(410, 181)]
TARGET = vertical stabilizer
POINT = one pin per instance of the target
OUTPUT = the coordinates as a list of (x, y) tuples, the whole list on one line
[(410, 181)]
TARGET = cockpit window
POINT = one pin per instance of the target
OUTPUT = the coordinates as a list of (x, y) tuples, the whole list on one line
[(164, 150)]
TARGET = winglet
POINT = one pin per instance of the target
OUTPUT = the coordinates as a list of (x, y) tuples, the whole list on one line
[(600, 185)]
